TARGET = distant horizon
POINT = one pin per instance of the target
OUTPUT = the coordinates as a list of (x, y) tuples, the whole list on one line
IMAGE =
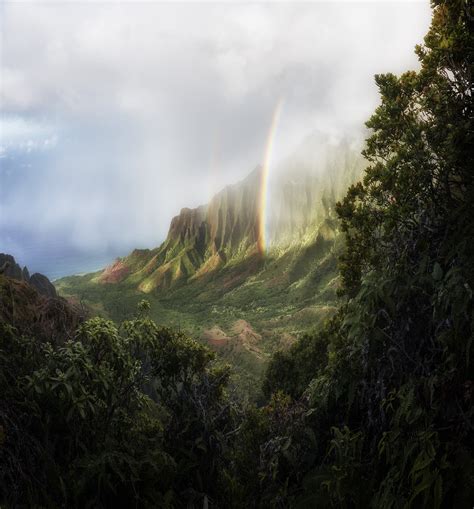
[(77, 263), (115, 116)]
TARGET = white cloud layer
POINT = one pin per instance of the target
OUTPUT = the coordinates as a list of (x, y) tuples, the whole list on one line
[(148, 107)]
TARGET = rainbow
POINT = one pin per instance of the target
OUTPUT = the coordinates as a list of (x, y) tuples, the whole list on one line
[(262, 204)]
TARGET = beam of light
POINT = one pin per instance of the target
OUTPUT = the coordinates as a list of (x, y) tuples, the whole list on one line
[(263, 197)]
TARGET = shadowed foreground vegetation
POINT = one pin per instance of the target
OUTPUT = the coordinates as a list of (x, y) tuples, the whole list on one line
[(374, 410)]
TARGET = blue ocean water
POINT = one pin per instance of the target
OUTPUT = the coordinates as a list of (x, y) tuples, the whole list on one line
[(52, 256), (45, 250)]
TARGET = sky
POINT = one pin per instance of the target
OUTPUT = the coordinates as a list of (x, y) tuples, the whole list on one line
[(115, 115)]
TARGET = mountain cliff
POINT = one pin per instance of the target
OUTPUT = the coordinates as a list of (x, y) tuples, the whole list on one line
[(209, 273), (306, 186), (199, 241), (209, 277), (225, 232)]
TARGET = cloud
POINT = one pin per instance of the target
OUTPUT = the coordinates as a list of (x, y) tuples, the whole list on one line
[(148, 107)]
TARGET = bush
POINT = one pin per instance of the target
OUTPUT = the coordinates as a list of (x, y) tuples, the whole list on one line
[(129, 416)]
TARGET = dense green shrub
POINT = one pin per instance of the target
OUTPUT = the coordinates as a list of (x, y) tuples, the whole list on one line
[(131, 416)]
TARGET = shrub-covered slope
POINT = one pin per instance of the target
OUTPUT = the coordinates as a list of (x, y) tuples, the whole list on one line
[(374, 410)]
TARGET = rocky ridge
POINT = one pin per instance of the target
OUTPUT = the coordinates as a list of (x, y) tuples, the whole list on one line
[(224, 232), (10, 268)]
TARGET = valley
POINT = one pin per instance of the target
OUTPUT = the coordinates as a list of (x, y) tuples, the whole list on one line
[(210, 275), (290, 321)]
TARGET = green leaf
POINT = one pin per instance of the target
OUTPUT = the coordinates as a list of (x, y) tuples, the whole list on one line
[(437, 272)]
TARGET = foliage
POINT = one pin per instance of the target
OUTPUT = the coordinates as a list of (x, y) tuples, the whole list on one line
[(291, 371), (390, 401), (129, 416), (416, 198)]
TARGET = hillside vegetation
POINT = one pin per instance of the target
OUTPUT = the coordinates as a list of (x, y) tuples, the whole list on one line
[(373, 409), (209, 273)]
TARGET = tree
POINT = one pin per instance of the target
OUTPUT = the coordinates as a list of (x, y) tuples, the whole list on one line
[(416, 198), (392, 409), (129, 416)]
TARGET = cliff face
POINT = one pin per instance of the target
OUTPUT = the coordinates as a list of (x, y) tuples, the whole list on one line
[(224, 232), (199, 240), (307, 187), (226, 226), (204, 239), (232, 216)]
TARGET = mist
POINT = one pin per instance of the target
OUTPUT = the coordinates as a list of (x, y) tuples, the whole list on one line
[(114, 116)]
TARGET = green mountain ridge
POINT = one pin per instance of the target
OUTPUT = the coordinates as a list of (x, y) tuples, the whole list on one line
[(199, 241), (209, 274)]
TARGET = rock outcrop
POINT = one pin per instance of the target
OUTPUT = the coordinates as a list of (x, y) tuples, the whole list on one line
[(32, 306), (43, 285), (9, 268), (35, 315)]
